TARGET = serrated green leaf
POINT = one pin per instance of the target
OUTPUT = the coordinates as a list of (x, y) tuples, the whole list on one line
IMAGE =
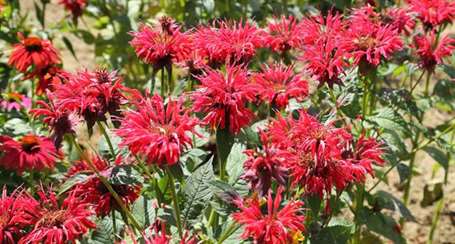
[(125, 175), (72, 181), (388, 201), (439, 156), (234, 164), (197, 191), (337, 234), (382, 224), (103, 233), (144, 211)]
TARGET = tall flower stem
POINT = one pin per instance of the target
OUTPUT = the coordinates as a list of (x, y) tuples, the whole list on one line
[(107, 185), (106, 136), (175, 201), (358, 207)]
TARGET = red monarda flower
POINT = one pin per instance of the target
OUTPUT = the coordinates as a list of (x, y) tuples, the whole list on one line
[(58, 223), (400, 19), (13, 220), (370, 41), (264, 165), (76, 7), (91, 95), (324, 49), (31, 152), (161, 45), (223, 98), (283, 34), (157, 131), (433, 12), (231, 43), (279, 84), (274, 227), (432, 51), (60, 122), (33, 51)]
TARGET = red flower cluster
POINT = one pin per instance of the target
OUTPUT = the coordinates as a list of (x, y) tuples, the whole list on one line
[(227, 43), (76, 7), (279, 84), (156, 130), (276, 226), (30, 152), (91, 95), (431, 51), (433, 12), (283, 34), (159, 235), (223, 98), (27, 220), (161, 45)]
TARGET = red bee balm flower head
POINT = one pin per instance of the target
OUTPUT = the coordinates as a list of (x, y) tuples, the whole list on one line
[(58, 223), (431, 53), (223, 98), (31, 152), (33, 51), (158, 131), (161, 45), (76, 7), (325, 48), (13, 220), (433, 12), (279, 84), (400, 19), (283, 34), (91, 95), (274, 227), (369, 39), (231, 43)]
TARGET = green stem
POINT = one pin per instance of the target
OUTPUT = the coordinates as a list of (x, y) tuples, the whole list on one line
[(435, 220), (107, 185), (366, 94), (175, 201), (233, 227), (358, 208), (114, 224), (427, 84), (163, 84), (106, 136)]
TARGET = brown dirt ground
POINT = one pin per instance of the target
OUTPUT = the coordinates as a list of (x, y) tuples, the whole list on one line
[(414, 232)]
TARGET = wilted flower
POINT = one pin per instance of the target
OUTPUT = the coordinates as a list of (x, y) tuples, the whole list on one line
[(156, 130), (279, 84), (76, 7), (15, 101), (33, 51), (30, 152), (433, 12), (283, 34), (161, 45), (49, 78), (432, 51), (223, 98), (58, 223), (277, 225), (225, 42)]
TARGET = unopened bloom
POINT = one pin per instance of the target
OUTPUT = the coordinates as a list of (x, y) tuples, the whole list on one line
[(433, 12), (283, 34), (279, 84), (76, 7), (223, 97), (276, 226), (58, 223), (91, 95), (157, 131), (161, 45), (33, 51), (231, 43), (30, 152), (432, 51)]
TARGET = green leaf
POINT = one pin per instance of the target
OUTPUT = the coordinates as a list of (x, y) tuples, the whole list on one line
[(382, 224), (143, 211), (224, 142), (389, 119), (386, 200), (72, 181), (125, 175), (439, 156), (338, 234), (16, 127), (197, 191), (234, 164), (223, 190), (70, 47), (104, 232)]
